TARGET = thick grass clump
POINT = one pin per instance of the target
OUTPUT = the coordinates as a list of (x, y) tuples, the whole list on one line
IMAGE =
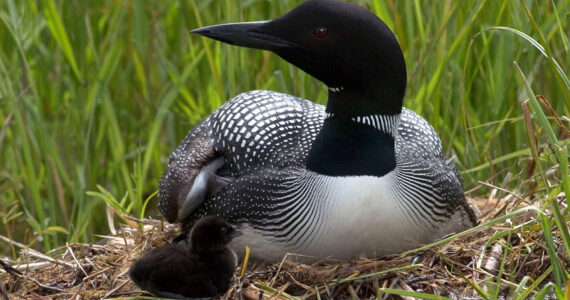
[(94, 95)]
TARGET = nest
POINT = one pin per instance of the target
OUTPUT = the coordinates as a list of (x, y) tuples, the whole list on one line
[(95, 271)]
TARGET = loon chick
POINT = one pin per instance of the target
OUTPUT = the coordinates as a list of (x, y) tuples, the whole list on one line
[(302, 178), (203, 268)]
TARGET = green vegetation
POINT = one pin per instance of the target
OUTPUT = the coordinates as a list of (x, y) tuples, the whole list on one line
[(94, 95)]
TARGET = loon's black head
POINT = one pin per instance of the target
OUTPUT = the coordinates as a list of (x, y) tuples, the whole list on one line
[(341, 44)]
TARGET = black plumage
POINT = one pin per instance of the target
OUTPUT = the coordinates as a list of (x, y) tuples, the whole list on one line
[(201, 267)]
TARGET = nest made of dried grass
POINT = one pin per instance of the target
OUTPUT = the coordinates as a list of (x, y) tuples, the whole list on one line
[(95, 271)]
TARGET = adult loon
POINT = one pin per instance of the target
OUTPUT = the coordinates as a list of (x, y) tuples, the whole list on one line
[(360, 176)]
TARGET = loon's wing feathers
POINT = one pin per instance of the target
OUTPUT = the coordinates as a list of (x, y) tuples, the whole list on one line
[(242, 201), (418, 137), (254, 129), (191, 167)]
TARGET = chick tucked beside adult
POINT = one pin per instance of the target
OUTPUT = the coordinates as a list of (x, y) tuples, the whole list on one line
[(200, 267)]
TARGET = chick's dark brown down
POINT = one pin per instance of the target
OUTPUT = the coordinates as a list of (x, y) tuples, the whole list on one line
[(200, 267)]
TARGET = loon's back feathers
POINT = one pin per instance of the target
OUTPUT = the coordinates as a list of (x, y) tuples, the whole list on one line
[(269, 123), (264, 128)]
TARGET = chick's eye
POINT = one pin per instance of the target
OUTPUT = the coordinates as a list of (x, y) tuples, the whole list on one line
[(320, 33), (223, 230)]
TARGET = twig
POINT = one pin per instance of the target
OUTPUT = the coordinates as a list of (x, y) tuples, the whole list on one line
[(280, 291), (111, 292), (76, 294), (272, 282), (14, 272), (306, 287), (35, 253), (404, 286), (392, 285), (75, 259), (10, 241), (90, 263), (144, 221), (109, 213), (501, 189), (42, 285), (32, 266), (124, 240), (42, 256), (417, 279), (546, 104), (9, 269), (96, 274)]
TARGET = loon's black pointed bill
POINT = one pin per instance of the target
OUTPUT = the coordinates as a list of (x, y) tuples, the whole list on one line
[(246, 34)]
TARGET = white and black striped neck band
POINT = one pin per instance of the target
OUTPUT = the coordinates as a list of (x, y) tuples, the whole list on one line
[(384, 123)]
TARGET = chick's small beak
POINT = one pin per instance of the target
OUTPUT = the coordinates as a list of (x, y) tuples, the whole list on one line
[(236, 233)]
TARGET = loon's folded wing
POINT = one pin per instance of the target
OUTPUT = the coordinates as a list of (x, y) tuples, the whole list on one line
[(191, 170), (253, 129)]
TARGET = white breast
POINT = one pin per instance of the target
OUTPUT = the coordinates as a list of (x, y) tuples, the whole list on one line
[(359, 215), (366, 216)]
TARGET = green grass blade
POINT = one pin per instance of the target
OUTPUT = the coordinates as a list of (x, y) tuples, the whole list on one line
[(58, 31), (498, 160), (535, 284), (163, 109), (561, 75), (470, 230), (540, 48), (426, 92), (558, 151), (560, 27), (559, 275), (413, 294), (375, 274), (480, 291)]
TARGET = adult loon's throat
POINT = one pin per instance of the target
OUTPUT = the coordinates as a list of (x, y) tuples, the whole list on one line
[(355, 146)]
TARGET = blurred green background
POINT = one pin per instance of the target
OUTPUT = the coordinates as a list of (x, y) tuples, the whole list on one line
[(94, 95)]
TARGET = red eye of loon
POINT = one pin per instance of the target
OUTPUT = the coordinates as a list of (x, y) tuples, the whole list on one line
[(320, 33)]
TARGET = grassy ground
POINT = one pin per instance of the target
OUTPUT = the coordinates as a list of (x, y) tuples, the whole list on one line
[(94, 95)]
